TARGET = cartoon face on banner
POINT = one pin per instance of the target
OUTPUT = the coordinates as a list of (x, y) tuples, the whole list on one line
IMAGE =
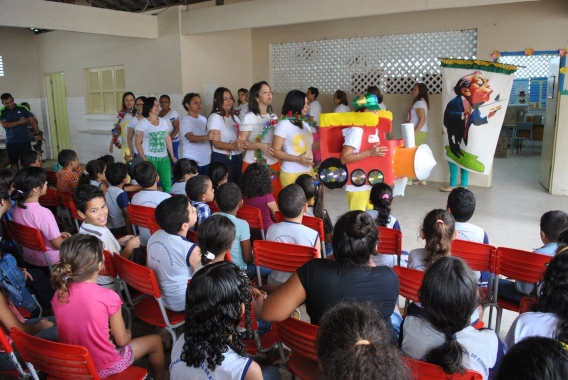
[(474, 104)]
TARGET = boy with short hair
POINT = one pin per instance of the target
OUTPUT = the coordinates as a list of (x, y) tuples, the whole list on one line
[(67, 176), (169, 251), (552, 223), (146, 176), (199, 190), (117, 199), (461, 204), (30, 158), (91, 206), (292, 204)]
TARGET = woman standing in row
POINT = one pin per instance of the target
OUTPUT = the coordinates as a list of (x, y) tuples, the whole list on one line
[(154, 143), (130, 138), (257, 128), (119, 132), (418, 115), (172, 117), (228, 148)]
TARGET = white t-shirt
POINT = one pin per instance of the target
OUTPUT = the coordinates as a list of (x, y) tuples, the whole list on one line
[(199, 151), (255, 125), (241, 110), (291, 233), (353, 137), (296, 142), (227, 127), (168, 257), (148, 198), (315, 111), (154, 140), (413, 116), (178, 188), (342, 108), (109, 243), (170, 117), (532, 324), (133, 123)]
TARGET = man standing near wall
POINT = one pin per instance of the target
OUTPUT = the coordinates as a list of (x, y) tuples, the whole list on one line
[(315, 106), (14, 119)]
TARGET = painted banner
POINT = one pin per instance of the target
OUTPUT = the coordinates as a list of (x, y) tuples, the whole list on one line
[(474, 100)]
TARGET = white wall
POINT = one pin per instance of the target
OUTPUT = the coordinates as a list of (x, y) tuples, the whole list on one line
[(18, 51)]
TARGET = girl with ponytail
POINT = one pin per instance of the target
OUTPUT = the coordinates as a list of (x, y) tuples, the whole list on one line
[(381, 199), (444, 336)]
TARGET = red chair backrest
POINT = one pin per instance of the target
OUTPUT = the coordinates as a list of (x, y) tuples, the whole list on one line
[(52, 178), (109, 270), (153, 226), (390, 241), (282, 256), (59, 360), (478, 256), (69, 204), (420, 370), (297, 335), (137, 276), (520, 265), (252, 215), (312, 222), (192, 236), (139, 215), (28, 237), (6, 232), (50, 199), (213, 206), (410, 282)]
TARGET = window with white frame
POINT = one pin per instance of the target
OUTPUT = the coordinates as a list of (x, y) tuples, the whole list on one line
[(105, 87), (1, 67), (393, 63)]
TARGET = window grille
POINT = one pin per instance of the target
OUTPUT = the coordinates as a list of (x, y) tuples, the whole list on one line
[(393, 63), (105, 86), (1, 67), (532, 66)]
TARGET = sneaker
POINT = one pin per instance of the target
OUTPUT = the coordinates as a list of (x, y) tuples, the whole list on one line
[(446, 189)]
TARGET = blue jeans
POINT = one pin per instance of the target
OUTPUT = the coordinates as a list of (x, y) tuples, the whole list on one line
[(270, 373), (235, 165), (508, 291), (203, 170), (251, 271), (454, 175)]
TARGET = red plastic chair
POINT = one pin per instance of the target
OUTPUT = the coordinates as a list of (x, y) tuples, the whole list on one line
[(52, 178), (68, 203), (64, 361), (50, 199), (149, 309), (18, 371), (213, 206), (253, 216), (30, 238), (312, 222), (300, 338), (192, 236), (390, 242), (257, 343), (281, 256), (153, 226), (425, 371), (139, 216), (410, 282), (520, 265)]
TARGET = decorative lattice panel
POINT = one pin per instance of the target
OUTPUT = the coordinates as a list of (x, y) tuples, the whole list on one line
[(394, 63), (533, 66)]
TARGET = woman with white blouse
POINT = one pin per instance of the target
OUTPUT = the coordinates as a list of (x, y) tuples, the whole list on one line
[(229, 148)]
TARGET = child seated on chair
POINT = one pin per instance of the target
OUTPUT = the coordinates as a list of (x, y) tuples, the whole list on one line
[(85, 312), (184, 169), (146, 176), (199, 190), (170, 253), (381, 199), (552, 223), (91, 206), (67, 176), (257, 189), (117, 199), (29, 184), (217, 298), (292, 203)]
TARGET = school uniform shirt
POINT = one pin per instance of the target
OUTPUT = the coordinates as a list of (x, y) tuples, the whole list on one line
[(178, 188), (116, 199), (416, 259), (148, 198), (297, 141), (483, 349), (291, 233), (199, 151), (547, 249), (168, 257), (532, 324), (95, 183), (109, 243), (393, 222), (315, 111), (228, 128), (154, 140), (353, 137), (242, 233), (382, 259), (342, 108), (255, 125), (413, 116), (170, 117), (471, 232), (233, 367)]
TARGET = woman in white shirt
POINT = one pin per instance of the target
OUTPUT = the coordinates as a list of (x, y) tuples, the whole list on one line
[(340, 101), (130, 137), (418, 115), (196, 138), (154, 143), (293, 139), (228, 148), (172, 117), (242, 103), (257, 128)]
